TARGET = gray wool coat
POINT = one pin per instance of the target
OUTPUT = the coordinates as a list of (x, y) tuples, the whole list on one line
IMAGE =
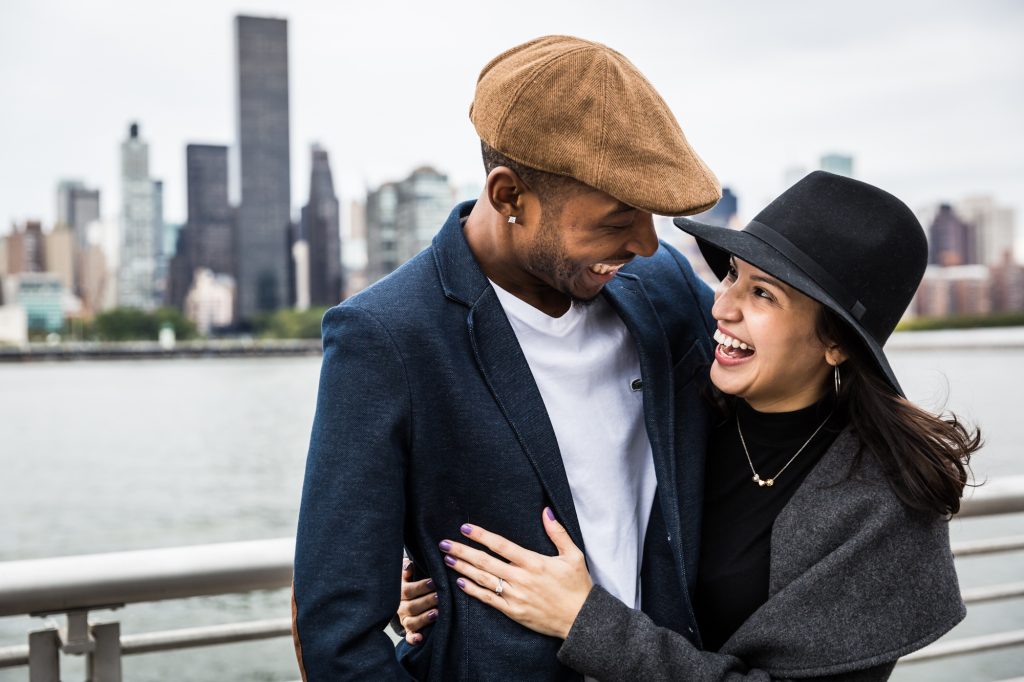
[(856, 581)]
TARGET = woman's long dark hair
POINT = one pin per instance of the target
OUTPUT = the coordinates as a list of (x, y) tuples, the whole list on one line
[(925, 457)]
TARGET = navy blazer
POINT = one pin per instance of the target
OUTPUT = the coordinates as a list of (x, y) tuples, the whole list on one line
[(428, 417)]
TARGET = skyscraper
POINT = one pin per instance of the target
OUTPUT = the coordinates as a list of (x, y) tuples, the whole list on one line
[(77, 207), (403, 217), (951, 241), (209, 212), (141, 223), (381, 231), (994, 229), (424, 201), (264, 214), (840, 164), (723, 213), (321, 230)]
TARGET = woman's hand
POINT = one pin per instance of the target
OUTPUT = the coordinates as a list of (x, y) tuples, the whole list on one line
[(418, 607), (543, 593)]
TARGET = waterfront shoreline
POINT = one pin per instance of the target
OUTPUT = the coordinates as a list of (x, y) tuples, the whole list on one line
[(153, 350)]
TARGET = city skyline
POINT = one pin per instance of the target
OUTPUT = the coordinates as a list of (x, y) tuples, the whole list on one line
[(386, 90)]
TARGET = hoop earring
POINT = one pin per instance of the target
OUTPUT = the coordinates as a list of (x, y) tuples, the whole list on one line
[(838, 380)]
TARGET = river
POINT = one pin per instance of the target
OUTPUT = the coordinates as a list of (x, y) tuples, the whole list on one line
[(106, 456)]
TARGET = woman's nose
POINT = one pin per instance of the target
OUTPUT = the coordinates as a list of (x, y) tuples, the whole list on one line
[(724, 307)]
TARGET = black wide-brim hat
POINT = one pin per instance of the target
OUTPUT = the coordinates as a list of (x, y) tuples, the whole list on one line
[(853, 247)]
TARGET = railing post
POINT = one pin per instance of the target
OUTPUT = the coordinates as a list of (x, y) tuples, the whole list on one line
[(104, 663), (44, 656)]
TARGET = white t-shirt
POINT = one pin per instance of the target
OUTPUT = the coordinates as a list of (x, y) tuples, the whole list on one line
[(585, 364)]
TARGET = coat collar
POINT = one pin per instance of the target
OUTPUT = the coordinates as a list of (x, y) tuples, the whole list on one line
[(460, 274)]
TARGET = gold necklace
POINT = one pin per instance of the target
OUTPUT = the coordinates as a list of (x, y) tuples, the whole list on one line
[(771, 481)]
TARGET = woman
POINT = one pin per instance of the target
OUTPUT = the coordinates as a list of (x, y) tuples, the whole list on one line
[(825, 550)]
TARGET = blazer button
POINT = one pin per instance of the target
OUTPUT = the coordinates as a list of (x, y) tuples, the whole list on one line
[(636, 385)]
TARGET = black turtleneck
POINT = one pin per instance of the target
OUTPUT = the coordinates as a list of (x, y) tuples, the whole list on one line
[(732, 580)]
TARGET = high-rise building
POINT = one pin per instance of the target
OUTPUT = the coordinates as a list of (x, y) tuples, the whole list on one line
[(722, 214), (264, 212), (381, 232), (403, 217), (424, 202), (951, 241), (321, 231), (840, 164), (209, 211), (59, 258), (210, 300), (77, 207), (26, 249), (141, 225), (353, 236), (207, 239), (993, 227)]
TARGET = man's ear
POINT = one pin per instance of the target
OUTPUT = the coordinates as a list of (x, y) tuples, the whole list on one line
[(509, 195)]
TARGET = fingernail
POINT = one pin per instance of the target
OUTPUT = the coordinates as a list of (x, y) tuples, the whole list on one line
[(445, 546), (550, 514), (416, 639), (432, 616), (449, 559), (466, 529), (461, 583), (430, 584)]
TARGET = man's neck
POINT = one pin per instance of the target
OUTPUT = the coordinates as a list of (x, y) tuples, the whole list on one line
[(483, 230)]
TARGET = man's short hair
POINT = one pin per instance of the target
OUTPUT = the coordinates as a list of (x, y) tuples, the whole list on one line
[(552, 189)]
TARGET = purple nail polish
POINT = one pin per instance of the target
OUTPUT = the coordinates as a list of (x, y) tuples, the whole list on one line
[(450, 560), (416, 639), (461, 583), (551, 514), (432, 616), (466, 529), (445, 546), (430, 584)]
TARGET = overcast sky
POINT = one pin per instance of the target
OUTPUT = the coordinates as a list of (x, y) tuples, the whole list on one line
[(927, 96)]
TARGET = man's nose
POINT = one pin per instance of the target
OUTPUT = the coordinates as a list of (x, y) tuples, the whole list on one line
[(644, 240)]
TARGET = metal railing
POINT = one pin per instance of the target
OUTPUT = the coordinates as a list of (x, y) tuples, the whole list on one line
[(74, 586)]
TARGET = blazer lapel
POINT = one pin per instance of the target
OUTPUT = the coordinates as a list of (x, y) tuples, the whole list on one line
[(508, 375), (626, 294)]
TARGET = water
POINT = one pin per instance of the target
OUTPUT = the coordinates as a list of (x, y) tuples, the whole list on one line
[(106, 456)]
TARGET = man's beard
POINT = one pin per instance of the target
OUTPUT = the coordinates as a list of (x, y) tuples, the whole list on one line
[(548, 259)]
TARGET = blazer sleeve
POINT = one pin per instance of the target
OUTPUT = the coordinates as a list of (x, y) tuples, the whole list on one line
[(348, 551), (610, 641)]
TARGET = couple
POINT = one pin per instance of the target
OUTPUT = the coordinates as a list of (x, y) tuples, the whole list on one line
[(651, 481)]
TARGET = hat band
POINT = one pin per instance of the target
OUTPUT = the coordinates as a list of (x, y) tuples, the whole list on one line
[(807, 264)]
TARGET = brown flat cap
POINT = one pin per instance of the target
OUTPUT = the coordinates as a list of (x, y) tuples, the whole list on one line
[(578, 108)]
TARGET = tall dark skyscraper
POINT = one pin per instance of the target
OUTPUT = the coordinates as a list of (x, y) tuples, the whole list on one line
[(722, 213), (320, 227), (951, 241), (261, 263), (209, 211), (207, 239)]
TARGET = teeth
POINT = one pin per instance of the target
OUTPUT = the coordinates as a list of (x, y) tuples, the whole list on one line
[(604, 269), (730, 342)]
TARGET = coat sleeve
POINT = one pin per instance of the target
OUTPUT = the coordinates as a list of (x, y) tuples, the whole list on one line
[(610, 641), (348, 551)]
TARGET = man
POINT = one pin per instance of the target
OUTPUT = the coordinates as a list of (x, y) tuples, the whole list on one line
[(524, 360)]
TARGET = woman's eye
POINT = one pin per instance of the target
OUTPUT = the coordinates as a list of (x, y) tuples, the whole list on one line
[(730, 273), (758, 291)]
